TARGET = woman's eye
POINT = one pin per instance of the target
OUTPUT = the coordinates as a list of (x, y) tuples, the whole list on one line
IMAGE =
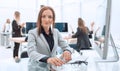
[(50, 17), (43, 16)]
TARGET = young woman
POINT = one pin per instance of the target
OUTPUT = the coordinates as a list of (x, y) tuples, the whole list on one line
[(82, 35), (43, 42)]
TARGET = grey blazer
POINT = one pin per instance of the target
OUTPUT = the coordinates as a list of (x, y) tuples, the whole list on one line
[(38, 48)]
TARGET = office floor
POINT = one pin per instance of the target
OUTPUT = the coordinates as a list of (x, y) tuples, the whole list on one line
[(7, 63)]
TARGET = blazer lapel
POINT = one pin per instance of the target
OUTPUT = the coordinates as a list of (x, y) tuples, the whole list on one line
[(54, 47), (44, 40)]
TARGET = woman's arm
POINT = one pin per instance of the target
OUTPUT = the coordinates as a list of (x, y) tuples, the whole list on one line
[(16, 26), (67, 51), (92, 29), (77, 33)]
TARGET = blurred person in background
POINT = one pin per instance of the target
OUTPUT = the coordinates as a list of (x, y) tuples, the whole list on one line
[(16, 32), (7, 30), (82, 34)]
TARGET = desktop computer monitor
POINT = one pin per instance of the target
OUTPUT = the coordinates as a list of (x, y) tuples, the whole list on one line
[(61, 26), (104, 43), (29, 26)]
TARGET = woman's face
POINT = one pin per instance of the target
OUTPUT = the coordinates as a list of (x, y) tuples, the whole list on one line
[(47, 18), (17, 18)]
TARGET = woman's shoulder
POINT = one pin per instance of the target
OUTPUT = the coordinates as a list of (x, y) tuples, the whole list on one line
[(55, 30), (78, 29), (33, 30), (14, 21)]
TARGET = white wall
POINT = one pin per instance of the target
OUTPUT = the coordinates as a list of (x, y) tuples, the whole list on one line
[(26, 8), (115, 19)]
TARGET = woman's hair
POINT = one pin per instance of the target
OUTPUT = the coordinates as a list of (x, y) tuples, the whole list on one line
[(17, 14), (81, 25), (39, 20)]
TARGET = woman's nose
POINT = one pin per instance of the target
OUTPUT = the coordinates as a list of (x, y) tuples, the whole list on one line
[(46, 19)]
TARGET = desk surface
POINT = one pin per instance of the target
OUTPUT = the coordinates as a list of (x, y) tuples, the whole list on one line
[(17, 39), (22, 39), (8, 63), (72, 40)]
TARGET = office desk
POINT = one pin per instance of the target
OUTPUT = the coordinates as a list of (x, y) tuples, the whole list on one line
[(23, 46), (22, 39), (17, 39), (72, 40), (23, 43), (4, 38), (10, 65), (97, 66)]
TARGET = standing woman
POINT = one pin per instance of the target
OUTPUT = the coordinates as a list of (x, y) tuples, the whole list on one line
[(16, 32), (82, 33), (43, 42), (7, 27), (7, 33)]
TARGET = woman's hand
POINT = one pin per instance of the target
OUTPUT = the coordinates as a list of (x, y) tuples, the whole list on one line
[(22, 25), (55, 61), (92, 24), (66, 56)]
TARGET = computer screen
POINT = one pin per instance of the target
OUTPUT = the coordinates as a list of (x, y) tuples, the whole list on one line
[(104, 43), (30, 25), (62, 26)]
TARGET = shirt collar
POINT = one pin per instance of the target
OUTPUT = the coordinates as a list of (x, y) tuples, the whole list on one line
[(43, 31)]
